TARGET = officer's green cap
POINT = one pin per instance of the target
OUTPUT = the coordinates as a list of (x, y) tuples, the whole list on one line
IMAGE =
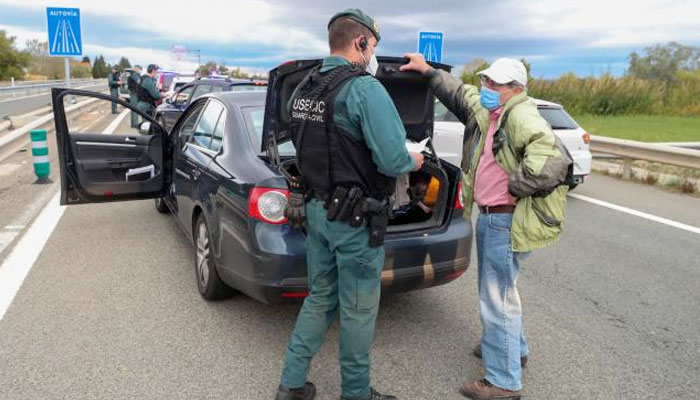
[(357, 15)]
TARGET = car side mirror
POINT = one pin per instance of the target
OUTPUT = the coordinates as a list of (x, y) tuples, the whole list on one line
[(145, 128)]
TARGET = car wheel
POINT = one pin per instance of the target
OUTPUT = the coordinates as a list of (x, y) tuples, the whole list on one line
[(161, 206), (210, 285)]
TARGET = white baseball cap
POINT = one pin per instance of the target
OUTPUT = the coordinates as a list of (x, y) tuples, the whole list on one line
[(506, 70)]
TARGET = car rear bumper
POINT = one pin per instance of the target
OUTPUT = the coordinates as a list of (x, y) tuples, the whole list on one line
[(412, 262), (582, 162)]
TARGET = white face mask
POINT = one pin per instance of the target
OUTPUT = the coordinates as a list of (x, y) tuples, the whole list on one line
[(372, 65)]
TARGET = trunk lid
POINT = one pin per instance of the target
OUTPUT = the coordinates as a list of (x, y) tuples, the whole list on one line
[(410, 91)]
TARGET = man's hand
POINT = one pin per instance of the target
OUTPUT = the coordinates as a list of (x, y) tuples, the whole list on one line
[(418, 159), (416, 62)]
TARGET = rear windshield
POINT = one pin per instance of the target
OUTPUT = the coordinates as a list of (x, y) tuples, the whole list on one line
[(248, 88), (557, 118), (443, 114), (255, 117)]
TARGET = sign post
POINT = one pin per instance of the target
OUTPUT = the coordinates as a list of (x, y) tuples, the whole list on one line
[(430, 44), (65, 35)]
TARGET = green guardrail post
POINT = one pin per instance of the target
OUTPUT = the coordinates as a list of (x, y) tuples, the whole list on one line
[(40, 152)]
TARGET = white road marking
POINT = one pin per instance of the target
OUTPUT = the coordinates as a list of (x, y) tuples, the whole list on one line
[(22, 258), (20, 261), (10, 232), (114, 124), (636, 213)]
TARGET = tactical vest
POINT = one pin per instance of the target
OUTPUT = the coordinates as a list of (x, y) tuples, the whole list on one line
[(326, 155), (143, 94)]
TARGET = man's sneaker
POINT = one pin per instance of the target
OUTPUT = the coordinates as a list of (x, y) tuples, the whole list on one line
[(306, 392), (477, 353), (484, 390), (374, 395)]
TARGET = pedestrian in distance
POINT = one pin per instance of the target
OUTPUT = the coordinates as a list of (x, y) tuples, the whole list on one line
[(114, 81)]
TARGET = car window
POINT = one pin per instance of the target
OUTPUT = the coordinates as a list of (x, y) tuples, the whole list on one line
[(443, 114), (254, 117), (216, 89), (187, 127), (201, 90), (218, 135), (206, 124), (248, 88), (557, 118), (184, 95), (168, 79)]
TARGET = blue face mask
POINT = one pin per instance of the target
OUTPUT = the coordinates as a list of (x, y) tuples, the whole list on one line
[(490, 99)]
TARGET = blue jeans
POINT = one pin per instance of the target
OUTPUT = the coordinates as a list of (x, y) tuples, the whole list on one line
[(502, 338)]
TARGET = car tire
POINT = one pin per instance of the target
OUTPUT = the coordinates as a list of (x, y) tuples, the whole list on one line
[(161, 207), (210, 285)]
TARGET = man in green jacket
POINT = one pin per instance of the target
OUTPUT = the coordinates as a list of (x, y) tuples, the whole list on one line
[(513, 168), (114, 81), (367, 152), (147, 92), (133, 81)]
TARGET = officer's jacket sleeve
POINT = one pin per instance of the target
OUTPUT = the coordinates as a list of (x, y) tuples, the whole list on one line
[(458, 97), (151, 89), (374, 111)]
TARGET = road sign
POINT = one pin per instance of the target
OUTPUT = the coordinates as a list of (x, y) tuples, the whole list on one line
[(65, 38), (430, 45)]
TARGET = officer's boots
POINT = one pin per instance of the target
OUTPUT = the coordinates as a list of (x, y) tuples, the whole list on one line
[(306, 392), (374, 395)]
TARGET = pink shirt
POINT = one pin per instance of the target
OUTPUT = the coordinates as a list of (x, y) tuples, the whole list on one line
[(491, 183)]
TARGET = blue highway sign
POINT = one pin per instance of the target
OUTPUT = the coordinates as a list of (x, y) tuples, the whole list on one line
[(65, 38), (430, 45)]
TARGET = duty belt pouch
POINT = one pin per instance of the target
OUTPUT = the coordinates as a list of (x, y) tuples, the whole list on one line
[(348, 206), (335, 202), (377, 229)]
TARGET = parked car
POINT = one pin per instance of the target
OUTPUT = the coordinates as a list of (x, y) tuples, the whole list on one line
[(177, 83), (449, 132), (170, 110), (164, 79), (218, 175)]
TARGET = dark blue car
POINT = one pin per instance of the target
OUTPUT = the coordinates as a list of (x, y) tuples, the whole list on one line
[(172, 108), (217, 173)]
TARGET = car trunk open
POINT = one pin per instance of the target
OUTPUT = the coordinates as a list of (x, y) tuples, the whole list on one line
[(421, 199)]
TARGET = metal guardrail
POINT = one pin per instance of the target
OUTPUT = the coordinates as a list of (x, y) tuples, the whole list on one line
[(24, 88), (654, 152)]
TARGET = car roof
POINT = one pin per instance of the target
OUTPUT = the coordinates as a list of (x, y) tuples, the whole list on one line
[(548, 104)]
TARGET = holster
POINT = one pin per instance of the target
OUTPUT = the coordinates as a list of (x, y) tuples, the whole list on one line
[(378, 213)]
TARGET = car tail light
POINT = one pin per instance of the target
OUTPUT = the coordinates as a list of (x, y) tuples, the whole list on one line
[(459, 203), (586, 138), (294, 295), (268, 204)]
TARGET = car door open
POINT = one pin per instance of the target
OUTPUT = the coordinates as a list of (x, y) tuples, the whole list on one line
[(102, 158)]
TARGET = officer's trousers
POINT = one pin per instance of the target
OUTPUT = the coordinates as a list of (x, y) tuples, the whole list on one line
[(134, 101), (114, 93), (344, 275)]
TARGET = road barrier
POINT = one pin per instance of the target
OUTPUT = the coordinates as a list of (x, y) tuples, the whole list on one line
[(631, 150), (27, 88), (40, 152)]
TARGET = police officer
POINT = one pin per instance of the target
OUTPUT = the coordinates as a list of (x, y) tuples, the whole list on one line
[(133, 81), (147, 92), (351, 144), (114, 81)]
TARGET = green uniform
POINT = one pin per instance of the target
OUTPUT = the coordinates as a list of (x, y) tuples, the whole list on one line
[(113, 83), (344, 273), (149, 85), (133, 99)]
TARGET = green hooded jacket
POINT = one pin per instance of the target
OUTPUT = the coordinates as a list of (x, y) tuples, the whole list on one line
[(530, 153)]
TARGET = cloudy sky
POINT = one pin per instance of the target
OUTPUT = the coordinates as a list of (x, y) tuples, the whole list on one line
[(556, 36)]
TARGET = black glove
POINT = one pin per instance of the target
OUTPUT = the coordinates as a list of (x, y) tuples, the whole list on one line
[(296, 210)]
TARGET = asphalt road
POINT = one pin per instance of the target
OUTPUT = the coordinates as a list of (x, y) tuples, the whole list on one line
[(110, 309)]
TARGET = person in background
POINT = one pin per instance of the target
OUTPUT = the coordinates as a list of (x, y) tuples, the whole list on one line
[(132, 83), (114, 81)]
